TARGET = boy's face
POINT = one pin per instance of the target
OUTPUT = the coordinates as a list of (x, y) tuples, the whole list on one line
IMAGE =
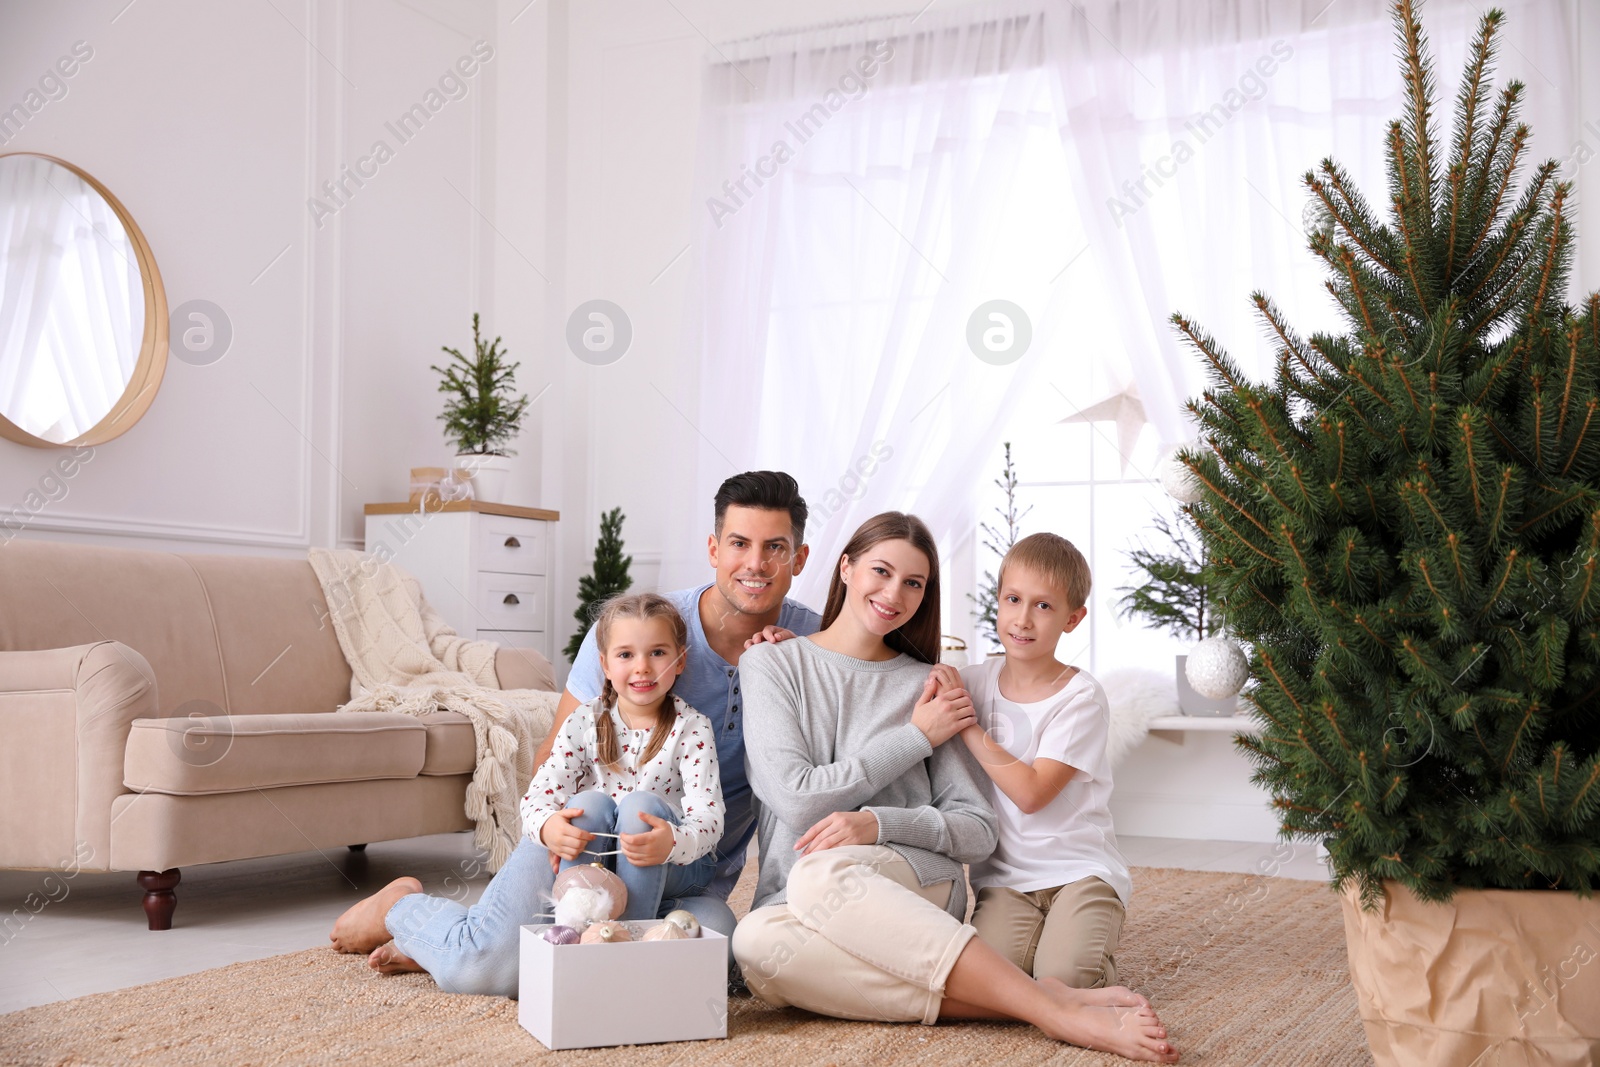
[(1033, 614)]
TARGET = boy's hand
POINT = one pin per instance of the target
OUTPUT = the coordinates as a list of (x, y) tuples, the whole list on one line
[(650, 848), (773, 634), (561, 837), (942, 713), (839, 829)]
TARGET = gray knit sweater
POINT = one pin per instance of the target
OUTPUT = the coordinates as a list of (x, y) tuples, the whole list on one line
[(826, 732)]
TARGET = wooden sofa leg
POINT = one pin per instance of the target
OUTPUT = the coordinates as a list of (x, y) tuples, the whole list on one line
[(159, 900)]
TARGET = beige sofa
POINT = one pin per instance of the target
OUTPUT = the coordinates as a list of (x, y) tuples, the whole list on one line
[(159, 710)]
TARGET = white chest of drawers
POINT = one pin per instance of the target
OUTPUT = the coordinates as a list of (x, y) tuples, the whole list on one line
[(485, 567)]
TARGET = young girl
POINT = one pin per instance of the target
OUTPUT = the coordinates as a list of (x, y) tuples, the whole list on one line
[(632, 777)]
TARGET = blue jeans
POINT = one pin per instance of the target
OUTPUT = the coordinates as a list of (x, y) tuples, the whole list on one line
[(477, 949)]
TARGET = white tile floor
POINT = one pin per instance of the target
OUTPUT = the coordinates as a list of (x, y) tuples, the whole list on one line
[(93, 938)]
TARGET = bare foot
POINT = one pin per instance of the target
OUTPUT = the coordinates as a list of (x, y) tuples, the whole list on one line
[(1115, 996), (361, 929), (1112, 1020), (388, 959)]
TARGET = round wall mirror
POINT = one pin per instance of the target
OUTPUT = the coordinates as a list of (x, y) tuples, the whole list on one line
[(83, 315)]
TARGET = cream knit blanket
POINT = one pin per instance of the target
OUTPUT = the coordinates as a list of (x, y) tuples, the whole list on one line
[(405, 658)]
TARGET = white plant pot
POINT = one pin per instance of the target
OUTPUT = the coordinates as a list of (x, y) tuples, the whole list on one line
[(488, 475)]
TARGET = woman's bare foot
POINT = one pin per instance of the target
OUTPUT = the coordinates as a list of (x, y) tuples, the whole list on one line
[(387, 959), (1109, 1020), (360, 928)]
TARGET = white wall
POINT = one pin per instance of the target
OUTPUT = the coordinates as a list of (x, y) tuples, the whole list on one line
[(214, 124)]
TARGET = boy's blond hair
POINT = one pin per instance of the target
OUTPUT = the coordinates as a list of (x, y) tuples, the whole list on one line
[(1055, 559)]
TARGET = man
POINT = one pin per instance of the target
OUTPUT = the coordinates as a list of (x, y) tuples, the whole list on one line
[(757, 547)]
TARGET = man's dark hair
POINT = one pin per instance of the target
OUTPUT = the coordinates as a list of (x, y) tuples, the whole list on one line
[(768, 490)]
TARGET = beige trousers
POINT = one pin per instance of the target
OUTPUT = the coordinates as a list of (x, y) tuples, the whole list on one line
[(858, 938), (1069, 932)]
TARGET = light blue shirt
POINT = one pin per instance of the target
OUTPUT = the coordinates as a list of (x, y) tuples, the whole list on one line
[(710, 685)]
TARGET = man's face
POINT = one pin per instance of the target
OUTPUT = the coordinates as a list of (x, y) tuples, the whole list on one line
[(756, 558)]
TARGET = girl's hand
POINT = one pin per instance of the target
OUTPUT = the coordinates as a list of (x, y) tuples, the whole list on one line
[(651, 848), (942, 713), (840, 828), (561, 837), (773, 634)]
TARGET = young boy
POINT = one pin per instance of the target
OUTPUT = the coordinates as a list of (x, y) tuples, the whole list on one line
[(1053, 895)]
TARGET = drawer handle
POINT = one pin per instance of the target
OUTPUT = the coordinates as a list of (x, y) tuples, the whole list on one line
[(512, 542), (511, 598)]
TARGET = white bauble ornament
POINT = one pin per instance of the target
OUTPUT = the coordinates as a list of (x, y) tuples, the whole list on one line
[(1217, 668), (1178, 480)]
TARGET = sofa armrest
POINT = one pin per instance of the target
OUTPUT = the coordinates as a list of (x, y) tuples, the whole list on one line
[(65, 714), (523, 668)]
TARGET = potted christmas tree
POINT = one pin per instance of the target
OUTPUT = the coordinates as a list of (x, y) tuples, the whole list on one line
[(1405, 525), (1173, 596), (483, 414)]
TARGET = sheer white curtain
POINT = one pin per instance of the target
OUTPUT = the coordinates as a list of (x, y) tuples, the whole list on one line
[(71, 300), (1189, 126), (855, 185), (863, 189)]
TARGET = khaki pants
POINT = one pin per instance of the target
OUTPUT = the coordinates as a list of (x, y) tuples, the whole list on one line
[(858, 938), (1069, 932)]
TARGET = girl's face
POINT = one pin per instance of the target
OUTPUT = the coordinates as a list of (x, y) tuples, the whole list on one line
[(884, 587), (642, 660)]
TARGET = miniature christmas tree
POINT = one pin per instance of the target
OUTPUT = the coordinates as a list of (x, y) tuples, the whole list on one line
[(483, 413), (1173, 596), (1405, 522), (999, 542), (608, 578)]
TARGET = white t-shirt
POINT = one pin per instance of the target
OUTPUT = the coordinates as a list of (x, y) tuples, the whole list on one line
[(1071, 837)]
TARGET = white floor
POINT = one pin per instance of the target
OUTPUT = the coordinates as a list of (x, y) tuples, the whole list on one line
[(66, 938)]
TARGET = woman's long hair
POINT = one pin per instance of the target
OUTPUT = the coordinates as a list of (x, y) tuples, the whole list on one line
[(641, 606), (918, 636)]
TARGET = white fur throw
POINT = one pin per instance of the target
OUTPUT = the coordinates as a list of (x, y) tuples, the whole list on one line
[(1136, 696), (405, 658)]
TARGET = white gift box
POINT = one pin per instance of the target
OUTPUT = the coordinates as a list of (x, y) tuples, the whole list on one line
[(627, 993)]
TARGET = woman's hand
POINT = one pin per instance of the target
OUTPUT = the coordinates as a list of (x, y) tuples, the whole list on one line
[(773, 634), (840, 828), (943, 710), (561, 837), (650, 848)]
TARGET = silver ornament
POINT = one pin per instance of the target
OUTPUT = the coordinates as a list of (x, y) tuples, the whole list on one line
[(1217, 668), (685, 921)]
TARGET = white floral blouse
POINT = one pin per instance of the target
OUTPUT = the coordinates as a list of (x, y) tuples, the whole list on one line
[(684, 772)]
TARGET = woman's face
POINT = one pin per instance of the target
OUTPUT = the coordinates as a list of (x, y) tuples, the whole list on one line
[(885, 585)]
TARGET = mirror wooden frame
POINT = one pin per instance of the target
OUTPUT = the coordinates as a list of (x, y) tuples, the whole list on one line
[(151, 365)]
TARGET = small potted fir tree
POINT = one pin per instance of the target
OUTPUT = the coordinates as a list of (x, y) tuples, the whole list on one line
[(1405, 524), (1173, 596), (483, 414)]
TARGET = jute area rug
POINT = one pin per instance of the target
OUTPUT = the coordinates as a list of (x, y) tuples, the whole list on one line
[(1244, 969)]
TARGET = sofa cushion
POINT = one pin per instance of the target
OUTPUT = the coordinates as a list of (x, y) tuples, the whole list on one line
[(229, 753), (452, 748)]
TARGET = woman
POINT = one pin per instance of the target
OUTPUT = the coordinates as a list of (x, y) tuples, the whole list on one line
[(866, 816)]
